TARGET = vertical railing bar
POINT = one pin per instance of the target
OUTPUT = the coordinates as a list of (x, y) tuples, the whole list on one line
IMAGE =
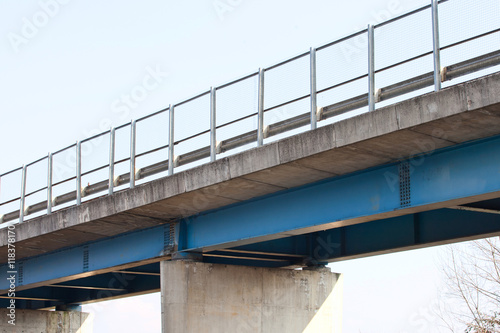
[(78, 173), (260, 109), (314, 101), (171, 140), (371, 68), (49, 184), (22, 205), (132, 153), (111, 183), (435, 45), (213, 137)]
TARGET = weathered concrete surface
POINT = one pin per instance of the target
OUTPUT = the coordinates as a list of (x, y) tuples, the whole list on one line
[(200, 297), (454, 115), (37, 321)]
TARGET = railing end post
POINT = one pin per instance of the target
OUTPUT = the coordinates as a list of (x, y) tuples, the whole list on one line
[(371, 67), (213, 124), (78, 173), (132, 152), (435, 45), (260, 109), (313, 93)]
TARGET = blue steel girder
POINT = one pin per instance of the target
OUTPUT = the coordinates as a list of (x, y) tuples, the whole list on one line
[(128, 250), (466, 173), (360, 240), (94, 288), (438, 179), (399, 233)]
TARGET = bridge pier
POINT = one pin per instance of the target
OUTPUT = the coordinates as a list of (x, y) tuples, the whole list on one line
[(202, 297), (40, 321)]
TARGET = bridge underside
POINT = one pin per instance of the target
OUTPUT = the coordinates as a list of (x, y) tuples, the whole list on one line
[(412, 231), (421, 173)]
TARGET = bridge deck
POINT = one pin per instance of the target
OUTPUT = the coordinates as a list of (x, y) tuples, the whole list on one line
[(452, 116)]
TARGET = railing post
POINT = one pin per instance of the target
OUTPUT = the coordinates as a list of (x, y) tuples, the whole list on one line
[(371, 68), (171, 140), (49, 184), (213, 124), (132, 153), (260, 109), (22, 205), (78, 173), (314, 102), (111, 183), (435, 45)]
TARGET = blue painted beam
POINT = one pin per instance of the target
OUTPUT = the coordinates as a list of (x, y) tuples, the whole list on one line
[(113, 285), (387, 235), (425, 182), (414, 231), (247, 262), (255, 256), (30, 304), (83, 260)]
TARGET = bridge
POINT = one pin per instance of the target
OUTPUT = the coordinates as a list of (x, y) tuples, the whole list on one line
[(412, 164)]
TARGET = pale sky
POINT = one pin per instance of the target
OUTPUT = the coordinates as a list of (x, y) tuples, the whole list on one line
[(67, 77)]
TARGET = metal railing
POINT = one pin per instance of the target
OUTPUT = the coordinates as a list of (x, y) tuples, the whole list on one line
[(204, 144)]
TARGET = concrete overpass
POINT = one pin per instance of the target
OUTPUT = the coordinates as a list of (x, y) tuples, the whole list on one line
[(410, 132), (418, 173), (221, 240)]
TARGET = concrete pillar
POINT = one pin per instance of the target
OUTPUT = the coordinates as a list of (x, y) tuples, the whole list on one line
[(200, 297), (38, 321)]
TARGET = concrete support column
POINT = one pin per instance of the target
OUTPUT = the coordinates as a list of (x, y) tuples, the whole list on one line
[(200, 297), (31, 321)]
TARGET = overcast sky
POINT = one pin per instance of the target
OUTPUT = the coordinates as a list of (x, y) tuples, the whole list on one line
[(68, 69)]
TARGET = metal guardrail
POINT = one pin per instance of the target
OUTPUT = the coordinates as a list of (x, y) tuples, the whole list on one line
[(312, 117)]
